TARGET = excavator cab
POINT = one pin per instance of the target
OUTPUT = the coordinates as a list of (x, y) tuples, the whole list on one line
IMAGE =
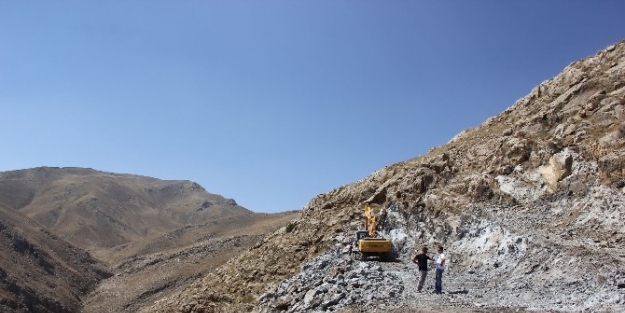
[(361, 234)]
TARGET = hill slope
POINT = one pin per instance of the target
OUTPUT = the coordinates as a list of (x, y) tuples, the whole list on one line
[(530, 206), (155, 236), (40, 272), (150, 269)]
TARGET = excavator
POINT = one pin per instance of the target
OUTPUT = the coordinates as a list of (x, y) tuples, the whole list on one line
[(368, 244)]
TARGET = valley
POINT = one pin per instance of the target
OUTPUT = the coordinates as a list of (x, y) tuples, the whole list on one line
[(529, 205), (105, 242)]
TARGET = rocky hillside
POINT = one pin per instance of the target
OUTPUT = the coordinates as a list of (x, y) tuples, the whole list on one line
[(40, 272), (530, 206), (94, 209), (150, 269)]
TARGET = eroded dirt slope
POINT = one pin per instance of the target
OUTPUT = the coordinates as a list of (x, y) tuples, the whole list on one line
[(40, 272)]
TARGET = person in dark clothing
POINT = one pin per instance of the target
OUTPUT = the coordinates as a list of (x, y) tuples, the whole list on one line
[(422, 260)]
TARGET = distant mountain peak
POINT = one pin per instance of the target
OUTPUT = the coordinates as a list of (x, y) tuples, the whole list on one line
[(99, 209)]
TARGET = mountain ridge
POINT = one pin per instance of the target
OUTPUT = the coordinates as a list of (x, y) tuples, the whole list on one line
[(97, 209), (132, 238)]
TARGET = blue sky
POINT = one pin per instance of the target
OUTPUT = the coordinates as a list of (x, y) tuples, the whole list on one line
[(271, 102)]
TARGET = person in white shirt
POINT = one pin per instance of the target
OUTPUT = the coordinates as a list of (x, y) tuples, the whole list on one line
[(440, 268)]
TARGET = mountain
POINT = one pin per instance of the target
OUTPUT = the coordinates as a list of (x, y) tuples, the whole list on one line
[(529, 206), (95, 210), (81, 240)]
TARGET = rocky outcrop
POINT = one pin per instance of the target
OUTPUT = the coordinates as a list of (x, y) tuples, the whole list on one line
[(558, 168), (530, 206)]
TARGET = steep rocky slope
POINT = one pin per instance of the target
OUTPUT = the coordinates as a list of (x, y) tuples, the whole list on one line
[(40, 272), (94, 209), (530, 206)]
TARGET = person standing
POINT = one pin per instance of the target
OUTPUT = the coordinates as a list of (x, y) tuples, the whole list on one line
[(422, 260), (440, 268)]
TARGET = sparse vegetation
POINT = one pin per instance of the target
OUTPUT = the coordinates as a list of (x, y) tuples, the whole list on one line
[(289, 227), (248, 298)]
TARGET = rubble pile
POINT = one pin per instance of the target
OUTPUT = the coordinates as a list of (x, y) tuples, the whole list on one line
[(331, 282)]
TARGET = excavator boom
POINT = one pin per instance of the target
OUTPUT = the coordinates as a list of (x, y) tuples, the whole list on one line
[(370, 221)]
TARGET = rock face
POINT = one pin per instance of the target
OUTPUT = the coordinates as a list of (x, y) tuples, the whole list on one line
[(529, 206)]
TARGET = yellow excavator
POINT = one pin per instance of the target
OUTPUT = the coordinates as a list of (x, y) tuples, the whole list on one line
[(368, 244)]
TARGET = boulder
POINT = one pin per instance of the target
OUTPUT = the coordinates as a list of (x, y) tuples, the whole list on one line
[(559, 167), (310, 296)]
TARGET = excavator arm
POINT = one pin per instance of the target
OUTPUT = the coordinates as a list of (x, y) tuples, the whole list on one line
[(370, 221)]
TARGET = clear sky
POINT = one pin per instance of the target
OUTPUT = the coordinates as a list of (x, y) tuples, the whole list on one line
[(272, 102)]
